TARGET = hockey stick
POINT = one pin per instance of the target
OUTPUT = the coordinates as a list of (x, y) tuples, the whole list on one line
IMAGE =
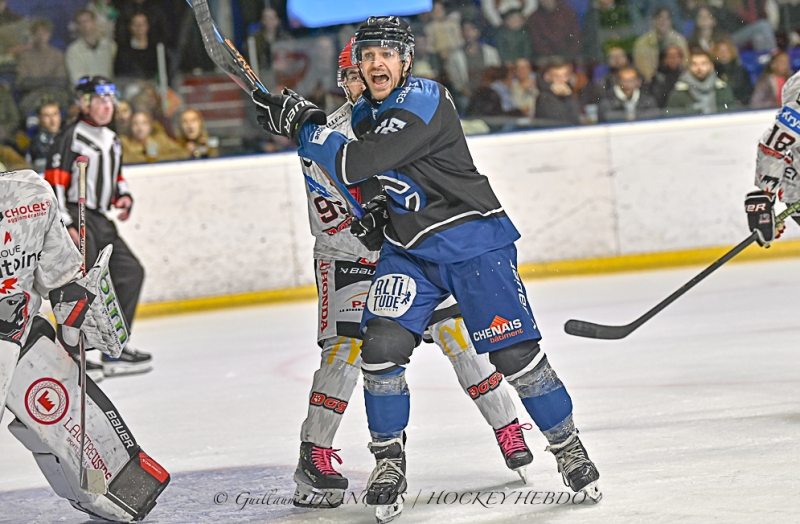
[(222, 51), (92, 480), (580, 328)]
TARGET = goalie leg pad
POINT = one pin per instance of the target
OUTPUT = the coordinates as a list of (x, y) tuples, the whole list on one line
[(478, 377), (331, 389), (45, 398)]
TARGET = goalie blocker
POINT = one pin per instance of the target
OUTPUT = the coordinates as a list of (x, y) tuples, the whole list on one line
[(42, 398)]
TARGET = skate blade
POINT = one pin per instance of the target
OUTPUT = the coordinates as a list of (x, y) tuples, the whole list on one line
[(523, 474), (592, 492), (94, 481), (96, 375), (307, 496), (388, 513), (113, 369)]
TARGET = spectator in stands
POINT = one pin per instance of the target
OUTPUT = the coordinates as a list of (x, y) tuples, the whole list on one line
[(146, 99), (616, 59), (89, 55), (269, 33), (137, 57), (648, 47), (494, 10), (556, 104), (444, 31), (10, 160), (493, 96), (427, 62), (729, 69), (769, 86), (523, 87), (193, 137), (606, 24), (14, 34), (191, 53), (465, 66), (49, 116), (512, 39), (147, 145), (122, 118), (10, 119), (41, 70), (627, 101), (641, 10), (699, 90), (158, 28), (554, 31), (746, 22), (671, 66), (706, 33), (105, 15)]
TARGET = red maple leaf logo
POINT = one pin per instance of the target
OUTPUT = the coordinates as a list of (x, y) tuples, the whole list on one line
[(7, 285)]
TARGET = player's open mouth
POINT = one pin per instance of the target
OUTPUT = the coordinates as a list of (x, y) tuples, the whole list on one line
[(380, 81)]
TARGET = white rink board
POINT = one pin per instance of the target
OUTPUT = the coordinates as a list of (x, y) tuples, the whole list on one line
[(225, 226)]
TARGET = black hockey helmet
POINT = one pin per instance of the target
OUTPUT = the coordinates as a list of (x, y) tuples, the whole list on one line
[(95, 85), (384, 31)]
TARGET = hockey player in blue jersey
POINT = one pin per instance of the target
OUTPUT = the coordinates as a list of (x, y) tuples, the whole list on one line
[(446, 234)]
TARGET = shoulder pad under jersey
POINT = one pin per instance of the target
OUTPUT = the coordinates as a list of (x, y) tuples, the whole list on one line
[(420, 96)]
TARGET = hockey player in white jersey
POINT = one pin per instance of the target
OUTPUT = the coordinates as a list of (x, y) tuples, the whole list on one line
[(39, 381), (777, 167), (344, 272)]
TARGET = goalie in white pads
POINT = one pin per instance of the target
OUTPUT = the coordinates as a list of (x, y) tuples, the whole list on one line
[(777, 167), (344, 272), (39, 380)]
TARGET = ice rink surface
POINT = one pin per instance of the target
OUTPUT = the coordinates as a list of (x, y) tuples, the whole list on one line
[(695, 417)]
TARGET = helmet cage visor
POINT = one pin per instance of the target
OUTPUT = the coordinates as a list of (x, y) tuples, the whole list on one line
[(403, 49)]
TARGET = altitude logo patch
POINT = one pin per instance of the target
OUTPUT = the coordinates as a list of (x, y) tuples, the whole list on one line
[(391, 295)]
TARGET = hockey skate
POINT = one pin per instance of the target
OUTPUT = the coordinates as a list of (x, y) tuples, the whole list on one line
[(93, 370), (387, 483), (318, 484), (578, 471), (515, 450), (130, 362)]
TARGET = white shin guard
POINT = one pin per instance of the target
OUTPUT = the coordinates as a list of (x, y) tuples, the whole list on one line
[(478, 377), (45, 398), (333, 385)]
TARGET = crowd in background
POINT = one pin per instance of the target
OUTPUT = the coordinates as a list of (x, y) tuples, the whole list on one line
[(510, 64)]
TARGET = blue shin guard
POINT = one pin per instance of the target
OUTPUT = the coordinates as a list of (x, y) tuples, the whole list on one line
[(547, 401), (387, 399)]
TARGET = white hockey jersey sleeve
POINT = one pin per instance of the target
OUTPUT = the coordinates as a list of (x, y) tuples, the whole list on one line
[(778, 156), (37, 252)]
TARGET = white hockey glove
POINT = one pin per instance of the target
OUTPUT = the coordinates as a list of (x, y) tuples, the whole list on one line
[(761, 217), (88, 305)]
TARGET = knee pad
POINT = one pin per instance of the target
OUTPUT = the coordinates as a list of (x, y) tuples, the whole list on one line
[(387, 345), (45, 398), (513, 361)]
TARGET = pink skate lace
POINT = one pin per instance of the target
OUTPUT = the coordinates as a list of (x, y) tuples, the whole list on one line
[(510, 438), (321, 457)]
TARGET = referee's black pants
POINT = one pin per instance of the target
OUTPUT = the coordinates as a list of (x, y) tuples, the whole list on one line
[(126, 271)]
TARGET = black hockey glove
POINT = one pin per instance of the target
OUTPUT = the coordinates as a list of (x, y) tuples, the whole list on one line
[(369, 228), (761, 217), (284, 114)]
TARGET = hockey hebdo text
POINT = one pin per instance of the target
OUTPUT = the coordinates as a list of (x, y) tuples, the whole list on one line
[(486, 499)]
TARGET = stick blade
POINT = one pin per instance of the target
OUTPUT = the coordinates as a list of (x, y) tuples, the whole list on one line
[(579, 328), (93, 481)]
